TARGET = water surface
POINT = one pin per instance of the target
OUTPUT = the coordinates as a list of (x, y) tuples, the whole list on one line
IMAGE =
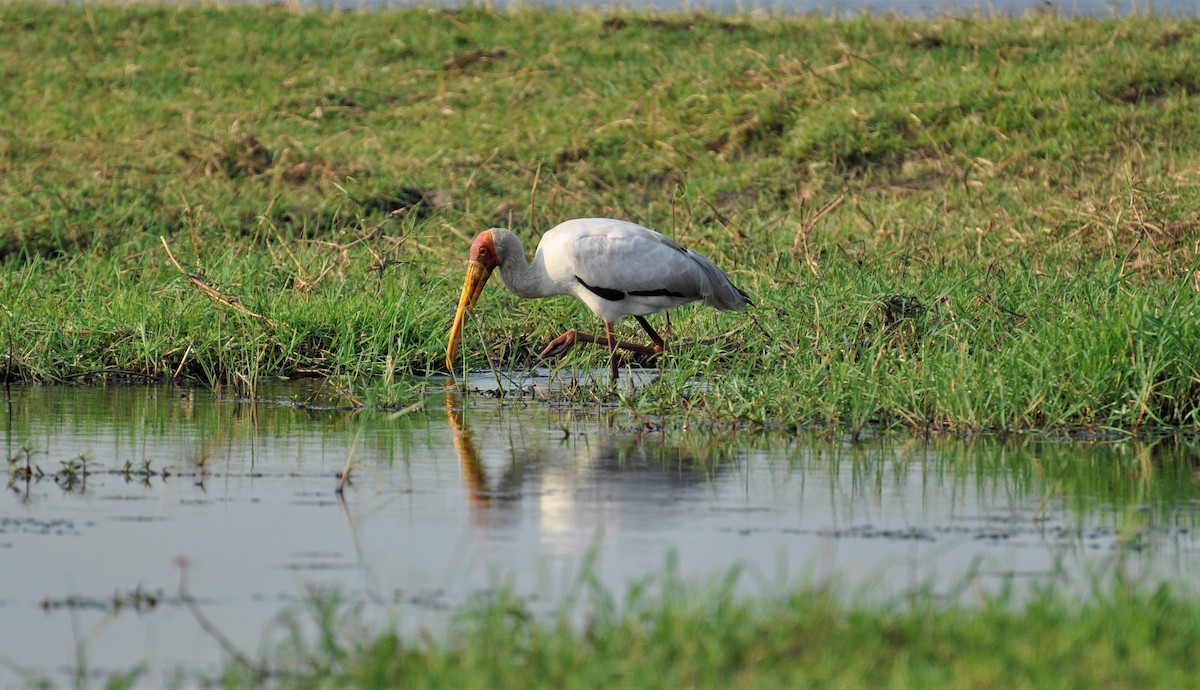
[(146, 494)]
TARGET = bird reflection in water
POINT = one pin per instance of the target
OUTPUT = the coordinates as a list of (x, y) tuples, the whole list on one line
[(585, 481), (468, 457), (485, 495)]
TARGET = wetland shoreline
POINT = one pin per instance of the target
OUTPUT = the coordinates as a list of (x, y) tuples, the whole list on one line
[(960, 224)]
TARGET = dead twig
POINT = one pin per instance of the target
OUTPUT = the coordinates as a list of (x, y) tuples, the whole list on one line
[(806, 228), (212, 292), (537, 176), (353, 401), (207, 625), (343, 477), (183, 361)]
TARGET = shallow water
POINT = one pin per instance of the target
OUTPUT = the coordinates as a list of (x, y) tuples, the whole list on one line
[(155, 492)]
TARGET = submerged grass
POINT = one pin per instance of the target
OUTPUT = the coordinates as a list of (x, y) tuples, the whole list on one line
[(958, 223)]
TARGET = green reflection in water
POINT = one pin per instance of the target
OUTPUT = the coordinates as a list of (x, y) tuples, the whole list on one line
[(1129, 481)]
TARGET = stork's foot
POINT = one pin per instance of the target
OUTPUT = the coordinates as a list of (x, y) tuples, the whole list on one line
[(560, 345), (649, 352), (656, 340)]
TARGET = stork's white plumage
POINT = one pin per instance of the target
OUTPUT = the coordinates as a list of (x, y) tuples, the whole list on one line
[(616, 268)]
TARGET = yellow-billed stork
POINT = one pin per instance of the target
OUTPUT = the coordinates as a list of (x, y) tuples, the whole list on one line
[(615, 267)]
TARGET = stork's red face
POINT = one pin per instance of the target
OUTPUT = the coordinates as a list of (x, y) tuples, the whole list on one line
[(480, 263), (483, 250)]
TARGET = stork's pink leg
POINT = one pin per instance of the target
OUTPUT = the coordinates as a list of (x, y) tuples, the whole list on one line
[(564, 342), (612, 349), (659, 343), (567, 340)]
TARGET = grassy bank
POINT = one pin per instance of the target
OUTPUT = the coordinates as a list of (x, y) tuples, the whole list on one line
[(690, 639), (1010, 235)]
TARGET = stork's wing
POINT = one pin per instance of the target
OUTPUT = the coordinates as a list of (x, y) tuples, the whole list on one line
[(615, 258)]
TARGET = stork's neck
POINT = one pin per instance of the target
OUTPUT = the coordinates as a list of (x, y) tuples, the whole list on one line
[(521, 278)]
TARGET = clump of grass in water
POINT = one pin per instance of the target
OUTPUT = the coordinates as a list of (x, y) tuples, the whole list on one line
[(669, 633)]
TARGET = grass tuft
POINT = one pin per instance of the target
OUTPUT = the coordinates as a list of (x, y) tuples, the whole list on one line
[(684, 635)]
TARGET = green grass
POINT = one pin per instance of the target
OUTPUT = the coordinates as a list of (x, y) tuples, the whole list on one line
[(684, 636), (1013, 240)]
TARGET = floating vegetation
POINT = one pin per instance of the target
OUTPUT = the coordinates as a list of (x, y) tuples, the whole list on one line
[(137, 600)]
